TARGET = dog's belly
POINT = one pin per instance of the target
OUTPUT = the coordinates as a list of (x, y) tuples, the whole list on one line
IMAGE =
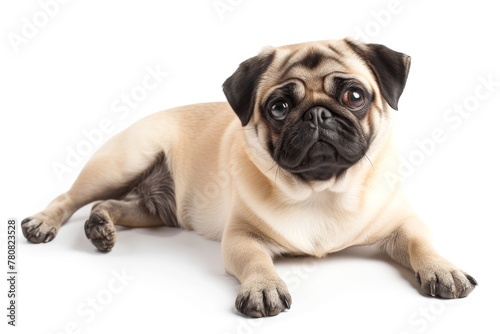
[(310, 228), (207, 215)]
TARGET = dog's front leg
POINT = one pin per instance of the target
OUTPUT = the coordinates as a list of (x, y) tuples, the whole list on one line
[(263, 293), (410, 246)]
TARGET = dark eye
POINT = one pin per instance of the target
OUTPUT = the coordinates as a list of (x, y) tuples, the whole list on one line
[(279, 110), (354, 99)]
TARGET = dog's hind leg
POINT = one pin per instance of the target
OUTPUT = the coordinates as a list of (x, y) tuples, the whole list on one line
[(110, 173), (150, 203), (100, 227)]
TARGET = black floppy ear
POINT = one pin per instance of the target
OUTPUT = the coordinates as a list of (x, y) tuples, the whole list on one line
[(241, 87), (389, 67)]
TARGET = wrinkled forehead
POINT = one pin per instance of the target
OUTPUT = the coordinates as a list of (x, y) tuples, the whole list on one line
[(314, 62)]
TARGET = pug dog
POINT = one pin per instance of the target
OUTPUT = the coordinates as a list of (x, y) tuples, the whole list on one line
[(295, 164)]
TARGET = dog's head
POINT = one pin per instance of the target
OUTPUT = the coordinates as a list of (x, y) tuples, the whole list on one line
[(316, 107)]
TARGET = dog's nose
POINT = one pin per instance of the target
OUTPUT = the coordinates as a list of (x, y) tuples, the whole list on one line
[(317, 115)]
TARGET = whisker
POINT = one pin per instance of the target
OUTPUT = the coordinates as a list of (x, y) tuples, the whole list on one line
[(369, 161), (276, 175), (272, 166)]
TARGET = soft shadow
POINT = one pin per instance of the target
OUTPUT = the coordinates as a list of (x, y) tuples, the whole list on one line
[(374, 253), (155, 242), (360, 252), (82, 244), (189, 246)]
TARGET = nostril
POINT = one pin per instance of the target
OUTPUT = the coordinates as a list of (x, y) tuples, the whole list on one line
[(309, 116), (324, 114)]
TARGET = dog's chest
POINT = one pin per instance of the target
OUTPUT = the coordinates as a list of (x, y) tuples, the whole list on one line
[(321, 225)]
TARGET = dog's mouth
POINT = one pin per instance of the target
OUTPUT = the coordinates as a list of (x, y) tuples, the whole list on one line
[(321, 162), (320, 155)]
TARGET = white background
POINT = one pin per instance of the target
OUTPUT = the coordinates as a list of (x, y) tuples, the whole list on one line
[(66, 78)]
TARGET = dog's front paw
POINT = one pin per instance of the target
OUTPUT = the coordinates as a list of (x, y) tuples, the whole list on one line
[(39, 228), (101, 231), (262, 298), (445, 280)]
